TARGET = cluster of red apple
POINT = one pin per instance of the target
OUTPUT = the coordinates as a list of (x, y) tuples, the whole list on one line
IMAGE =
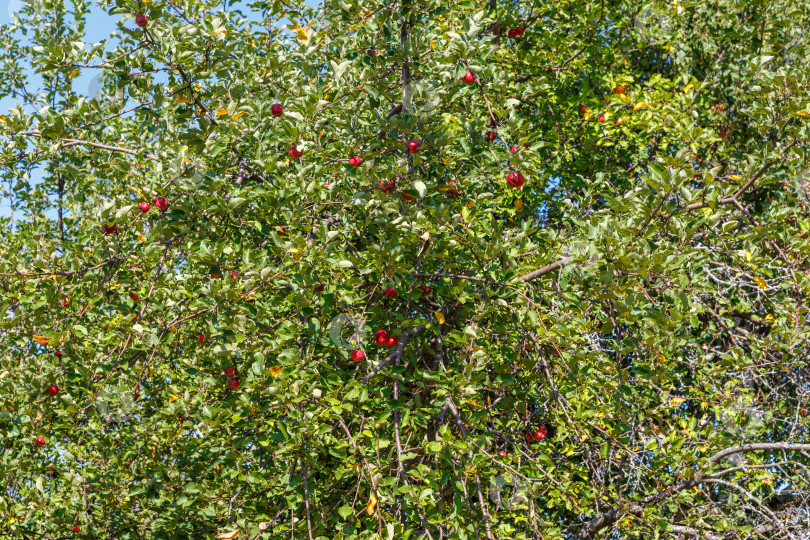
[(161, 202), (382, 339), (515, 32), (230, 371), (538, 435)]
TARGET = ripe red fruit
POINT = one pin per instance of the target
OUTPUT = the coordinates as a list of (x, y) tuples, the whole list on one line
[(492, 135), (527, 345), (161, 203), (392, 342), (387, 186), (355, 161), (75, 529), (515, 179), (53, 390), (583, 109), (514, 148), (516, 32), (616, 122), (39, 442), (406, 196), (276, 109), (141, 20), (109, 229), (144, 207), (319, 287), (58, 354), (469, 77), (602, 118), (233, 274), (358, 355), (414, 145), (281, 232), (502, 453), (390, 292), (230, 371), (381, 338), (541, 433), (530, 436), (619, 90), (233, 384), (216, 276), (134, 296), (425, 290), (201, 338), (294, 152), (65, 302), (137, 391)]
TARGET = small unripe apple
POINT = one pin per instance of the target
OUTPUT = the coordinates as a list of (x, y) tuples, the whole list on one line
[(602, 119), (109, 229), (390, 292), (233, 384), (162, 203), (355, 161), (515, 179), (75, 529), (144, 207), (58, 354), (134, 296), (294, 152), (406, 196), (141, 20), (469, 77), (414, 146), (492, 135), (358, 355), (387, 186), (39, 442), (276, 109), (65, 302), (319, 287), (53, 390), (317, 393), (392, 342)]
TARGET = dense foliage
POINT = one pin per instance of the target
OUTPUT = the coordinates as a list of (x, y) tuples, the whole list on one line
[(594, 270)]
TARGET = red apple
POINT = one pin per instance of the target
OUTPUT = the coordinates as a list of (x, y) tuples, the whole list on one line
[(201, 338), (381, 338), (358, 355), (530, 436), (392, 342), (516, 32), (541, 433), (515, 179), (492, 135), (319, 287), (414, 145), (583, 109), (514, 148), (58, 354), (53, 390), (141, 20), (109, 229), (390, 292), (65, 302), (137, 391), (276, 109), (281, 232), (39, 442), (602, 119), (75, 529), (527, 345), (502, 453), (355, 161), (161, 203), (294, 152), (216, 276), (144, 207), (230, 371), (469, 77), (406, 196), (387, 186), (619, 89), (134, 296), (233, 384), (425, 290), (233, 274), (616, 122)]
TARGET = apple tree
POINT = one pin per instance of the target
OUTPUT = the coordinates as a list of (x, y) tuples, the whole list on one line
[(415, 269)]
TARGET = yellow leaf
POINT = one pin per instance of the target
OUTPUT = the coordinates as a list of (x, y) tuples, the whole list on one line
[(174, 398), (470, 204), (745, 253), (42, 340), (228, 536), (803, 113), (677, 401), (2, 118), (735, 178), (432, 45), (237, 115), (198, 86), (372, 504), (275, 370), (181, 99), (73, 74), (222, 112), (439, 316), (769, 318), (761, 282), (518, 204), (142, 239), (172, 329), (703, 448), (639, 105)]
